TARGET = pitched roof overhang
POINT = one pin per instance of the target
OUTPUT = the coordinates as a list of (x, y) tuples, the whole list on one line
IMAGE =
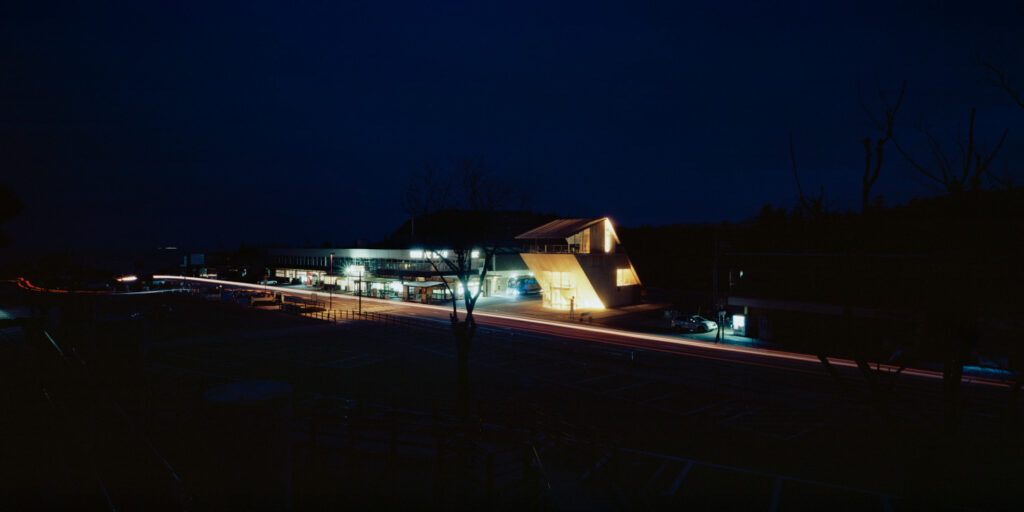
[(561, 228)]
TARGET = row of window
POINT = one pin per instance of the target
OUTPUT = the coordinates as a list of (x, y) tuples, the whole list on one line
[(315, 261)]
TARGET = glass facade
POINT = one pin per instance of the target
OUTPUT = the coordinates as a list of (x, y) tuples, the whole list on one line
[(580, 242), (562, 290)]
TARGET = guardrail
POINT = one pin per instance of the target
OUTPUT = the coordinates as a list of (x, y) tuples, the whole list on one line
[(339, 315)]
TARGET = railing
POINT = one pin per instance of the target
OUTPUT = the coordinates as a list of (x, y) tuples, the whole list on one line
[(336, 316), (553, 249), (568, 249)]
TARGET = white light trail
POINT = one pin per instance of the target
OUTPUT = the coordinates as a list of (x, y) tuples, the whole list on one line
[(750, 351)]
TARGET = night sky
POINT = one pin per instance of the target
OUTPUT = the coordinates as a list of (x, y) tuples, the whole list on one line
[(206, 126)]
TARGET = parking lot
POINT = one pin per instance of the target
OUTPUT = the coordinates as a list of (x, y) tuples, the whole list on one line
[(608, 427)]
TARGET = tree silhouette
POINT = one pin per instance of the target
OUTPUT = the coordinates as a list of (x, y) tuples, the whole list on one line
[(457, 206), (873, 158), (956, 174)]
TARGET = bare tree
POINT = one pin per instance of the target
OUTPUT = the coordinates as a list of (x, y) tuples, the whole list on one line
[(997, 78), (458, 208), (958, 173), (813, 206), (884, 124), (817, 208), (417, 203)]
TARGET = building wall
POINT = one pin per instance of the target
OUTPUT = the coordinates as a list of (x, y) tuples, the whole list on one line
[(594, 274), (542, 264), (601, 270)]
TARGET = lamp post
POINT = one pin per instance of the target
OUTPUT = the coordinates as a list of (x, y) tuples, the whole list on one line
[(360, 292), (330, 291)]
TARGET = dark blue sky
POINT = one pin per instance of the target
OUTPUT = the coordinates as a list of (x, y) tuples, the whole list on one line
[(209, 125)]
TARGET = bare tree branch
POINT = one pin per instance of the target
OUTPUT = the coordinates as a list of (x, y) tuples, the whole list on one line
[(458, 206), (814, 206), (965, 174), (997, 78), (921, 169), (873, 160), (864, 107)]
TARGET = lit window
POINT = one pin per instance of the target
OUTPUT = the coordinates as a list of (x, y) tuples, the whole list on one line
[(625, 277), (607, 236)]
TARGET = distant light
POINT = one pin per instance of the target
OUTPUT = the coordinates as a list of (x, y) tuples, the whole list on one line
[(741, 273), (354, 270), (416, 255), (171, 248), (396, 286), (127, 279), (475, 254), (738, 322)]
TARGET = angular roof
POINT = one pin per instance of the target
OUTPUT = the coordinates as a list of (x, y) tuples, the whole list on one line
[(561, 228)]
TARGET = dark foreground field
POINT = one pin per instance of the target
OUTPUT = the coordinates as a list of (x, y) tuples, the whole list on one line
[(201, 405)]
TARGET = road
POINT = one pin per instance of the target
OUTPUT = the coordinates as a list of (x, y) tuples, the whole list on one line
[(775, 359), (773, 417)]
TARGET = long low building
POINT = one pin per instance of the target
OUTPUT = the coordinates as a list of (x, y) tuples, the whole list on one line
[(578, 263), (412, 274)]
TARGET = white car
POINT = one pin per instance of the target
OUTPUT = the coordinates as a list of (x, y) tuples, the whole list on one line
[(693, 323)]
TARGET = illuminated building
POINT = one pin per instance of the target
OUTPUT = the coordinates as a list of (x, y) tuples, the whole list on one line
[(409, 274), (580, 263)]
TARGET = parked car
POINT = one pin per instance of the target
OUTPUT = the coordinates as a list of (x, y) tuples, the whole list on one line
[(693, 323), (523, 286)]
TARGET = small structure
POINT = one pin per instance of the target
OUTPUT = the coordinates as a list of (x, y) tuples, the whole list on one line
[(580, 264)]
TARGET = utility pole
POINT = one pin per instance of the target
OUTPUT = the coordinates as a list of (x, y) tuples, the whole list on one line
[(330, 291), (360, 292)]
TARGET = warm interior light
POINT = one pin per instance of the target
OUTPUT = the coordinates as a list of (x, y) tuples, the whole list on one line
[(625, 277), (608, 235)]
